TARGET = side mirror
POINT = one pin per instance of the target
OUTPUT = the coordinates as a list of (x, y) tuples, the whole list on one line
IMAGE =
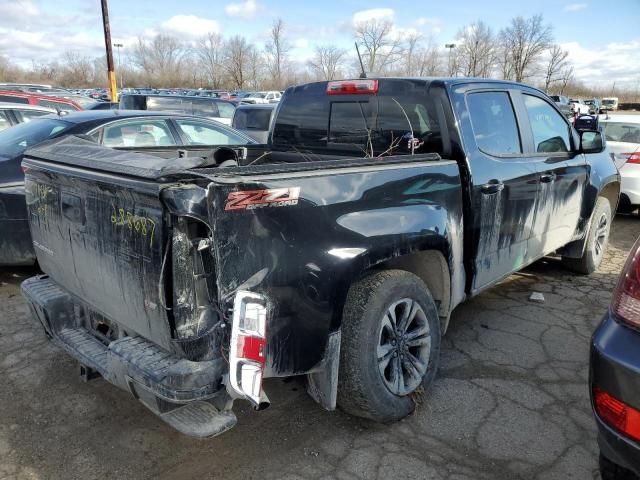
[(591, 141)]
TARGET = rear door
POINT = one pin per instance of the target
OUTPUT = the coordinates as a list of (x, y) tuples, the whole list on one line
[(551, 147), (504, 186)]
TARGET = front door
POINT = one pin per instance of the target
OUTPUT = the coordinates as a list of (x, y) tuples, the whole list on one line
[(504, 185), (549, 143)]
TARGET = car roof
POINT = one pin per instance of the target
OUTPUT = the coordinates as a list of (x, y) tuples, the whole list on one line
[(82, 116), (25, 106), (633, 118), (253, 106)]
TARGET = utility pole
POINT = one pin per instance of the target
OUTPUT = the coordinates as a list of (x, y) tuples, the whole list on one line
[(119, 46), (450, 47), (107, 41)]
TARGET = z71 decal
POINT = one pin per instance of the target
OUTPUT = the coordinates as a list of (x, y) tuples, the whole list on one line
[(252, 199)]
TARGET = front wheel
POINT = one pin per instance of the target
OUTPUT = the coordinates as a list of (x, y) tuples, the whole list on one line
[(390, 345), (597, 240)]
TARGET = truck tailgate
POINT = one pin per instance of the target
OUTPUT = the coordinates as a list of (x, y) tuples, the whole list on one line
[(99, 235)]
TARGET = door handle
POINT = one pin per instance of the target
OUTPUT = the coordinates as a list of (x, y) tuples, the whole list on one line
[(492, 187), (547, 177)]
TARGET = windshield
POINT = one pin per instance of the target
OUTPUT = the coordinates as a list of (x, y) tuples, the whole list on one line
[(622, 132), (84, 102), (15, 140), (258, 95), (608, 102)]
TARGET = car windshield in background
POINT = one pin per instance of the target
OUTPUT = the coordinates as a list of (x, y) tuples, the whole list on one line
[(622, 132), (15, 140), (608, 102), (84, 102), (253, 118)]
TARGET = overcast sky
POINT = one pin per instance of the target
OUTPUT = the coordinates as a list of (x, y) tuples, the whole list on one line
[(603, 38)]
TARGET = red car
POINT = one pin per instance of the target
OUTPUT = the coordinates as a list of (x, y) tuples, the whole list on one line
[(48, 101)]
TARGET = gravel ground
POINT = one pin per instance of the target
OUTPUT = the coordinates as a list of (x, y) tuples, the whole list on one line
[(510, 401)]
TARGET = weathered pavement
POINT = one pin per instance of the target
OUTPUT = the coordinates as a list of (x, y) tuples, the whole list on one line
[(511, 401)]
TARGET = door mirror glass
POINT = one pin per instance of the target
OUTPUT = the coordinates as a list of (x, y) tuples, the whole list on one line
[(591, 142)]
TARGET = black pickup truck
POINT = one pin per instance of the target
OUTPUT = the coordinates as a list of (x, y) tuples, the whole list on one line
[(337, 253)]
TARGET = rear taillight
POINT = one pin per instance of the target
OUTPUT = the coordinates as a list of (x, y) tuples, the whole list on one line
[(617, 414), (632, 157), (352, 87), (247, 355), (626, 297)]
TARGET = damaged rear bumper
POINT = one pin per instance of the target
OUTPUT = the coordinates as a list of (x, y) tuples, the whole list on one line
[(187, 395)]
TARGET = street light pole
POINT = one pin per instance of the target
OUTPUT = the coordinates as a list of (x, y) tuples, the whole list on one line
[(450, 46), (107, 42), (119, 46)]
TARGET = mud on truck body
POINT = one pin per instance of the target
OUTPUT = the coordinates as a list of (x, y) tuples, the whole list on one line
[(338, 252)]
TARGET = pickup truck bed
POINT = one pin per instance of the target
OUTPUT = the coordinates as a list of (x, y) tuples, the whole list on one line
[(122, 241)]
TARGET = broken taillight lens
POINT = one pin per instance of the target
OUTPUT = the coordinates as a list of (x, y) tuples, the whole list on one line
[(617, 414), (626, 297), (247, 355)]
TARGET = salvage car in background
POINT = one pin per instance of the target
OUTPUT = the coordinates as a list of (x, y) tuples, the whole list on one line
[(578, 107), (56, 103), (155, 133), (261, 97), (211, 108), (623, 141), (563, 104), (337, 253), (615, 377), (12, 114), (254, 120)]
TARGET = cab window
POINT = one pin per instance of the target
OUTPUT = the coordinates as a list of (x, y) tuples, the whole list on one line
[(549, 128), (494, 123)]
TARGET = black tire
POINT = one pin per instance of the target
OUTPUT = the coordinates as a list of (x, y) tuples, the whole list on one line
[(368, 330), (597, 240), (612, 471)]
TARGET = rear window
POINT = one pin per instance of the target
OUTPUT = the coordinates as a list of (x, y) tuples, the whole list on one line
[(168, 104), (65, 107), (622, 132), (252, 118), (15, 140), (402, 114)]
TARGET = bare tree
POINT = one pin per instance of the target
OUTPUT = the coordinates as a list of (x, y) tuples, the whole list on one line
[(380, 49), (210, 53), (524, 41), (76, 70), (567, 76), (476, 51), (327, 61), (237, 56), (555, 66), (277, 50), (161, 59)]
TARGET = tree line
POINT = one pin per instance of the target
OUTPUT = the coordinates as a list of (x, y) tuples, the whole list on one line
[(524, 51)]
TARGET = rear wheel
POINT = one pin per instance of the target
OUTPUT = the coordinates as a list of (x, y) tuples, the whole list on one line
[(390, 345), (597, 241)]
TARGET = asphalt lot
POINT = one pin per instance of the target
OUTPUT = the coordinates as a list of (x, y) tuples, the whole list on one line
[(510, 402)]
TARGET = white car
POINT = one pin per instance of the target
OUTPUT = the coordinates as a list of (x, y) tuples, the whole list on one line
[(579, 107), (262, 97), (623, 141), (14, 113)]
